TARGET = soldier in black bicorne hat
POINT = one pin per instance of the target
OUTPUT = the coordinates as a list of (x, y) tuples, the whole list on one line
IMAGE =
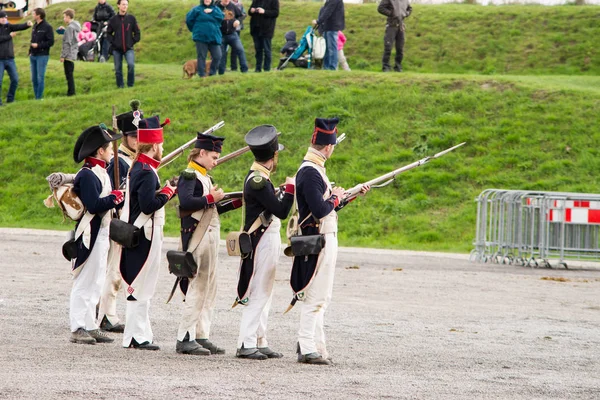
[(107, 309), (263, 211), (312, 276), (92, 185), (200, 236)]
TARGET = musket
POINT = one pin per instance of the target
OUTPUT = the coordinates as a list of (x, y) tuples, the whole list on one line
[(178, 151), (386, 179), (115, 126)]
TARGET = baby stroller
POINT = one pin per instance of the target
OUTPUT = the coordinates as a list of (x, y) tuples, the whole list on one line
[(91, 51), (313, 46)]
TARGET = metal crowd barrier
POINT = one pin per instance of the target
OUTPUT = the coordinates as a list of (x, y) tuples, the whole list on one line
[(531, 228)]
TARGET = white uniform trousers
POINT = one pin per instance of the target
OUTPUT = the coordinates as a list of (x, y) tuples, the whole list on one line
[(112, 284), (202, 289), (311, 335), (253, 328), (137, 317), (88, 285)]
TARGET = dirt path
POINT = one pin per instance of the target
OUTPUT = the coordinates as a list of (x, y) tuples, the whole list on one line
[(439, 328)]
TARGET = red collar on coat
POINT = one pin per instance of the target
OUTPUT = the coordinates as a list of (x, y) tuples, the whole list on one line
[(148, 160), (95, 161)]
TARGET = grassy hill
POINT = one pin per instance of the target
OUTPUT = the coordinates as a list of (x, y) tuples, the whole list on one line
[(453, 38), (523, 131)]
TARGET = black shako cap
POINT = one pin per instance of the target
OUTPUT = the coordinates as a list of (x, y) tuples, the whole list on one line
[(263, 142), (91, 140)]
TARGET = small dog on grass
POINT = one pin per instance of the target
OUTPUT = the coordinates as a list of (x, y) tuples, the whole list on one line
[(190, 68)]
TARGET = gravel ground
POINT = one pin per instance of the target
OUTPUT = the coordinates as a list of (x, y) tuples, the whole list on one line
[(402, 325)]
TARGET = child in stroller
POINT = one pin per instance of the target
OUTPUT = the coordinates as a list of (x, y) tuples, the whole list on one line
[(90, 43), (288, 50)]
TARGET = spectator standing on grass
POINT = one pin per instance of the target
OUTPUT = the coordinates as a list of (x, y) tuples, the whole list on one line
[(263, 16), (395, 11), (7, 54), (204, 21), (68, 54), (340, 49), (42, 38), (330, 21), (123, 33), (102, 14), (238, 30), (231, 38)]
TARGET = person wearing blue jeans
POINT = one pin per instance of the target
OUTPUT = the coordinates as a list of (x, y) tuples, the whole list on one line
[(123, 33), (130, 60), (7, 54), (202, 50), (230, 37), (330, 60), (204, 21), (42, 38), (331, 20), (233, 40)]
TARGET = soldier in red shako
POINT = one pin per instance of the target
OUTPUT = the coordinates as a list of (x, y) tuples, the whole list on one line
[(312, 275), (200, 227), (263, 211), (107, 310), (144, 202), (92, 185)]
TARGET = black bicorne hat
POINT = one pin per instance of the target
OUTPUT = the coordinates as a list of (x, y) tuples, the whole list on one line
[(325, 131), (91, 140), (263, 142), (209, 142)]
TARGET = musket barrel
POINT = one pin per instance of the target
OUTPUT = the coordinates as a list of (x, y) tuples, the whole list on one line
[(178, 151)]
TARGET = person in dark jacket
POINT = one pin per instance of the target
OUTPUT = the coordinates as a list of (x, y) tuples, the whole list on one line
[(68, 54), (102, 14), (263, 15), (42, 38), (395, 11), (234, 56), (7, 54), (204, 21), (232, 20), (330, 21), (123, 33)]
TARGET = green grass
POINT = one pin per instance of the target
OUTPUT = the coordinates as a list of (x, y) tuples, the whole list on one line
[(523, 131), (453, 38)]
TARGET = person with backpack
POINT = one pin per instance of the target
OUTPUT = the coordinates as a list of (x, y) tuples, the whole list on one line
[(7, 54), (263, 210), (92, 186), (395, 11), (123, 33)]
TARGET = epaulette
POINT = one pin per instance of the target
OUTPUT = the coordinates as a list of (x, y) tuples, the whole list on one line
[(257, 182), (188, 174)]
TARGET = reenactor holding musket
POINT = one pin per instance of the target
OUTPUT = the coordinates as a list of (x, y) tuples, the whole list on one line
[(92, 186), (127, 124), (313, 272), (199, 209), (263, 210), (140, 262)]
